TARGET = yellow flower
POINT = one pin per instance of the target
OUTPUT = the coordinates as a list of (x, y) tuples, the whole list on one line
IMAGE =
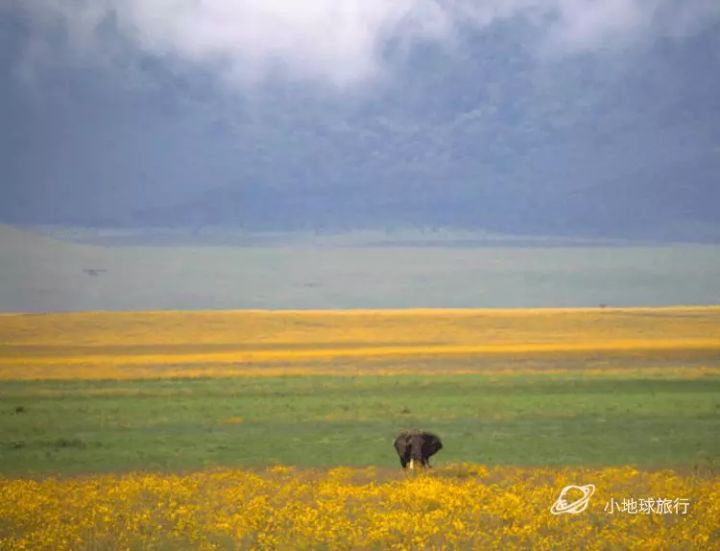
[(460, 506)]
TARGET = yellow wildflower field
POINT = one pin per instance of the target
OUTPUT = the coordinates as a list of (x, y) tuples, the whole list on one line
[(140, 345), (460, 506), (465, 506)]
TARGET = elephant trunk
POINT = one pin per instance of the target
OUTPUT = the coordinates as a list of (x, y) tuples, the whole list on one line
[(416, 457)]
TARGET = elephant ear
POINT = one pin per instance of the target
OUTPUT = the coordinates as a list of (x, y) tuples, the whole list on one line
[(402, 443), (431, 444)]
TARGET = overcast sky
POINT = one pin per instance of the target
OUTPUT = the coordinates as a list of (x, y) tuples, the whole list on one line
[(339, 43), (515, 115)]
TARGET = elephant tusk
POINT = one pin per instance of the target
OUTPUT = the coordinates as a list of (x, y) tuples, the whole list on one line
[(412, 464)]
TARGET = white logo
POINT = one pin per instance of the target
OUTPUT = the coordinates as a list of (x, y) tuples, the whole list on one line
[(561, 506)]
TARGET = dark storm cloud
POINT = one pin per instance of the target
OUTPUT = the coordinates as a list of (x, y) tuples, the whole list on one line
[(553, 116)]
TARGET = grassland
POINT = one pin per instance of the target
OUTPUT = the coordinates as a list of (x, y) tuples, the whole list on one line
[(169, 424), (108, 391), (225, 430), (127, 345)]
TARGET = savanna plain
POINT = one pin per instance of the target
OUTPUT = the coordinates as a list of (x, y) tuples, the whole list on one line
[(274, 429)]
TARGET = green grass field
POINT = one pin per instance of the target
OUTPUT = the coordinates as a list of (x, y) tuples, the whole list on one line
[(176, 391), (558, 419)]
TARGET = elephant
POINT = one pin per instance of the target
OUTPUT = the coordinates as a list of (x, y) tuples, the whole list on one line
[(416, 447)]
